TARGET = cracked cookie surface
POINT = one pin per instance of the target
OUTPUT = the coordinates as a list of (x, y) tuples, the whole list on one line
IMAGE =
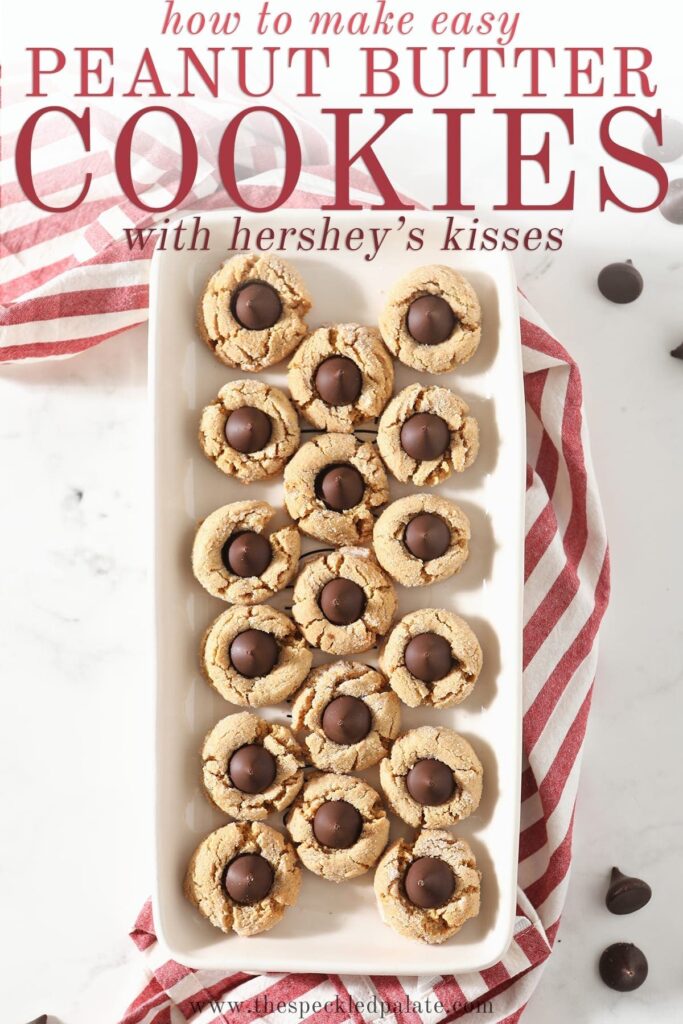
[(459, 678), (244, 730), (217, 656), (302, 488), (229, 340), (281, 444), (463, 771), (461, 447), (363, 346), (355, 852), (389, 540), (211, 559), (346, 679), (378, 606), (462, 341), (433, 925), (204, 880)]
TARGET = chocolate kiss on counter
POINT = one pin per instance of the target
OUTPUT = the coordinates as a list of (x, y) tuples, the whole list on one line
[(626, 895), (623, 967), (671, 207), (620, 282), (677, 352), (672, 141)]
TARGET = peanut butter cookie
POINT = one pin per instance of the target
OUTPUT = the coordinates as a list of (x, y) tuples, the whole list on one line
[(425, 434), (332, 485), (236, 561), (242, 878), (432, 319), (254, 655), (251, 314), (432, 657), (249, 431), (250, 767), (338, 825), (343, 601), (422, 539), (350, 714), (340, 376), (428, 889), (432, 777)]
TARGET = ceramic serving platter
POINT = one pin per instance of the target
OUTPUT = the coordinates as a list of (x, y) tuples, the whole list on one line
[(336, 928)]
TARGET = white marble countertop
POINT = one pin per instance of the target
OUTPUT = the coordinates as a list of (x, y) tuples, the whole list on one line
[(75, 720)]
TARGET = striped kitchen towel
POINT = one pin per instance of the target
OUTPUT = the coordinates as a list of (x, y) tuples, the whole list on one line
[(566, 587)]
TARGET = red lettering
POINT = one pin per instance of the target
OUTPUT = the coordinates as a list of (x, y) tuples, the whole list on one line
[(23, 156), (37, 71), (625, 70), (542, 158), (344, 161), (632, 159), (454, 160), (123, 159), (226, 159)]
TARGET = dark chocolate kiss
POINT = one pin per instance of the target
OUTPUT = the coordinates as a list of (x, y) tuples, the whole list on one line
[(252, 768), (430, 782), (256, 306), (626, 895), (620, 282), (425, 436), (427, 536), (338, 381), (346, 720), (248, 879), (247, 554), (248, 430), (337, 824), (428, 657), (340, 487), (623, 967), (430, 320), (342, 601), (254, 653), (672, 142), (671, 207), (429, 882)]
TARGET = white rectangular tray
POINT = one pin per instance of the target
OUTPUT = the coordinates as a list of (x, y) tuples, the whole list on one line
[(334, 928)]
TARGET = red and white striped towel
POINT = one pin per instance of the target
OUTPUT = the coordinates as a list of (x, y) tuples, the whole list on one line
[(69, 282)]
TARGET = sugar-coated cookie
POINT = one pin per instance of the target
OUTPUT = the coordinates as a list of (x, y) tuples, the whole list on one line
[(251, 313)]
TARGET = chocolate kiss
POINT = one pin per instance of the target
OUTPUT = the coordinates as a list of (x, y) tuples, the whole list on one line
[(626, 894)]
